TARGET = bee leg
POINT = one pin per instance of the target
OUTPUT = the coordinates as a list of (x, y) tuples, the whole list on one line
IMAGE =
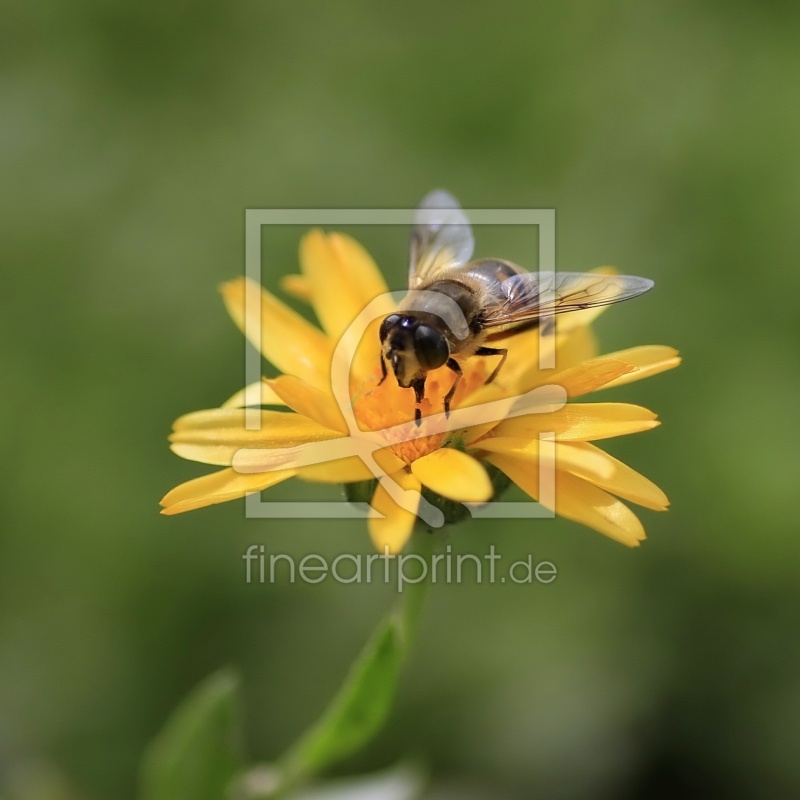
[(453, 365), (419, 393), (384, 373), (493, 351)]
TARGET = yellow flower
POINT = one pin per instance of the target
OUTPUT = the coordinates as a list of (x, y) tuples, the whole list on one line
[(339, 279)]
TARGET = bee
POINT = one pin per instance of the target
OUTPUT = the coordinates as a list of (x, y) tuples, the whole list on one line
[(492, 300)]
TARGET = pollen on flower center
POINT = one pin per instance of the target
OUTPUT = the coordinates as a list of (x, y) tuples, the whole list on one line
[(378, 406)]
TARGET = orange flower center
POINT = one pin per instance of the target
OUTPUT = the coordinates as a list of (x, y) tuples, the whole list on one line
[(379, 406)]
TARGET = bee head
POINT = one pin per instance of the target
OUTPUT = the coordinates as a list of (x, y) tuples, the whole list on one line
[(412, 347)]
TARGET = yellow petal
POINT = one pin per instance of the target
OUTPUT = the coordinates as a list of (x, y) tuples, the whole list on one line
[(342, 276), (394, 528), (583, 502), (523, 356), (576, 346), (218, 455), (475, 432), (344, 280), (577, 380), (278, 428), (358, 268), (285, 339), (582, 422), (318, 460), (297, 286), (342, 470), (619, 479), (256, 394), (647, 360), (218, 487), (528, 450), (214, 436), (388, 463), (454, 475), (587, 376), (366, 361), (572, 345), (541, 400), (578, 500), (310, 401)]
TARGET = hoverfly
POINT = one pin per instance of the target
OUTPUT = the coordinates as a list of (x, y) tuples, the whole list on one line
[(495, 298)]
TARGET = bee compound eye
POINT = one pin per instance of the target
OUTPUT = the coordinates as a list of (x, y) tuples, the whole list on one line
[(431, 347), (388, 324)]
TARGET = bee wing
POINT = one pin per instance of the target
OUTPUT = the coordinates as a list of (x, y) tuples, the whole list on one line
[(528, 296), (440, 240)]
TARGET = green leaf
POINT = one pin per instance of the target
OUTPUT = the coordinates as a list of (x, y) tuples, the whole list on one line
[(356, 712), (197, 753)]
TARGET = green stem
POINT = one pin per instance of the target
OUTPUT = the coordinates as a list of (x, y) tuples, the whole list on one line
[(408, 606)]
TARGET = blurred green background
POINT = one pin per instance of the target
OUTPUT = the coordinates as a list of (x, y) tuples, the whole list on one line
[(134, 136)]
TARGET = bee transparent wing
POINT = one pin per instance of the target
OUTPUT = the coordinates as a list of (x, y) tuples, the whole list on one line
[(440, 240), (528, 296)]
